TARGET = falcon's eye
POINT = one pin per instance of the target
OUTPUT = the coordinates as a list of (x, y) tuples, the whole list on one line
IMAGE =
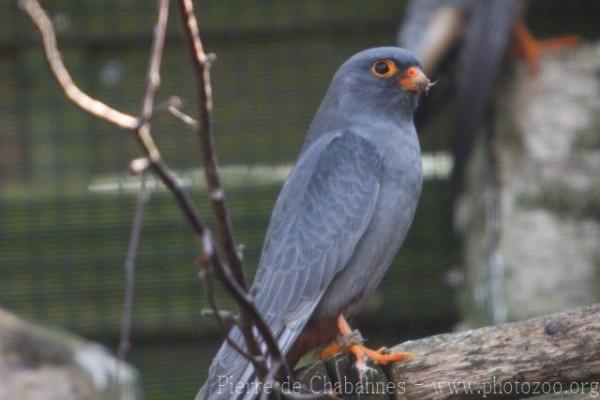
[(384, 69), (381, 68)]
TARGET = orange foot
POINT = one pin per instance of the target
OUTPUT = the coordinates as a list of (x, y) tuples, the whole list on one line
[(532, 49), (351, 341)]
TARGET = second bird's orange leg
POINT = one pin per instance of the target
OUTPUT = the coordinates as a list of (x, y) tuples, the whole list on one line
[(361, 352), (532, 49)]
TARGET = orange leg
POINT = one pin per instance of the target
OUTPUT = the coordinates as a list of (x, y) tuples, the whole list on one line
[(330, 351), (532, 49), (361, 352)]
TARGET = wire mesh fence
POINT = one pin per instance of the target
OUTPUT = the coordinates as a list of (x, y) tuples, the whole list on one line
[(66, 200)]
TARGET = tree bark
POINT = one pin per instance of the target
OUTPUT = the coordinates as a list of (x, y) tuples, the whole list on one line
[(555, 353)]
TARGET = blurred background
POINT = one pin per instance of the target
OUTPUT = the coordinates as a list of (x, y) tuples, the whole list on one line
[(67, 201)]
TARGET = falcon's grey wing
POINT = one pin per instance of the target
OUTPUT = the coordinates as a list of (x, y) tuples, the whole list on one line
[(321, 214)]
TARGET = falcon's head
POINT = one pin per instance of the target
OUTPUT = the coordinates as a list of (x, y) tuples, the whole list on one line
[(383, 78)]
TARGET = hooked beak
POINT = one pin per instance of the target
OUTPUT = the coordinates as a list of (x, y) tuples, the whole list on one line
[(414, 80)]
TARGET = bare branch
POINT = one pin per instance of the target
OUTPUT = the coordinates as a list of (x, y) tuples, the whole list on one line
[(174, 106), (82, 100), (233, 279), (185, 202), (132, 251), (249, 315), (168, 178), (153, 76), (152, 83), (177, 113), (202, 63)]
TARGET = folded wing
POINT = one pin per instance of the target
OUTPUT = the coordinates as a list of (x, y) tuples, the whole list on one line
[(321, 213)]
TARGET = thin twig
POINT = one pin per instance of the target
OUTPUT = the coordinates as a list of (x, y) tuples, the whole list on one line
[(153, 75), (130, 260), (177, 113), (152, 83), (174, 106)]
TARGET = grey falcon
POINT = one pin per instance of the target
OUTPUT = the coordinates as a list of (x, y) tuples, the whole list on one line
[(340, 218)]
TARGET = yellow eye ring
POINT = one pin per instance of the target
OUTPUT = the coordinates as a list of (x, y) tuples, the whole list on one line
[(384, 69)]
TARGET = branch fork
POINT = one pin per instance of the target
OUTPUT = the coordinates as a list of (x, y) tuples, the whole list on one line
[(230, 270)]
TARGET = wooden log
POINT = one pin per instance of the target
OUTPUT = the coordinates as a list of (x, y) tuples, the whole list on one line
[(559, 353), (546, 354)]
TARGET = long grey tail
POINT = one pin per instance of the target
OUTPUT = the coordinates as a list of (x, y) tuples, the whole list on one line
[(485, 41)]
